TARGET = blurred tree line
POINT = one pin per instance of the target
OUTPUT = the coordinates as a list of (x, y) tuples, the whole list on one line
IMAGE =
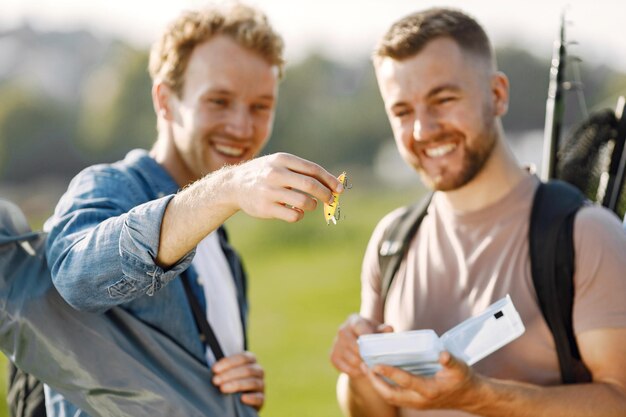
[(68, 100)]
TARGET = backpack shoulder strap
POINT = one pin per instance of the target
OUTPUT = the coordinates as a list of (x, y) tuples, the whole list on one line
[(554, 209), (551, 246), (25, 396), (394, 243)]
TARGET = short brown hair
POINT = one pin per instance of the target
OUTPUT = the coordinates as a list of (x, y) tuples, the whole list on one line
[(409, 35), (247, 26)]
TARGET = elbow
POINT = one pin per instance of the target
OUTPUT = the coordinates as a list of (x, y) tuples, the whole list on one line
[(76, 292), (78, 301)]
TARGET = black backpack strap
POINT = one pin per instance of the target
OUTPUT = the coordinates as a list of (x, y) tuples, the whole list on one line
[(206, 331), (551, 245), (25, 397), (395, 241)]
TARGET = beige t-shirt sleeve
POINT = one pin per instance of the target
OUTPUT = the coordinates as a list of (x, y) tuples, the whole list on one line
[(600, 274)]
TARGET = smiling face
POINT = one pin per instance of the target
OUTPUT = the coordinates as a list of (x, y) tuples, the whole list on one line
[(443, 105), (225, 111)]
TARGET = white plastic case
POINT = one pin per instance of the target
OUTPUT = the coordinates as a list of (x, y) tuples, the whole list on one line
[(417, 351)]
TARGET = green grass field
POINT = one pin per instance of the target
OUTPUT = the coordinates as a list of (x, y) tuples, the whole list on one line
[(303, 283)]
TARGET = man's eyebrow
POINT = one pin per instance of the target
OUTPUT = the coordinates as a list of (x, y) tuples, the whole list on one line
[(226, 92), (207, 92), (443, 88), (269, 97), (217, 90), (399, 104)]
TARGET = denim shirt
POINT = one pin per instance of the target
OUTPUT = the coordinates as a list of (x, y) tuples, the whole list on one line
[(102, 244)]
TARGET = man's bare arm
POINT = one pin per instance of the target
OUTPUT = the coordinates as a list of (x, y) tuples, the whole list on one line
[(458, 387), (279, 186)]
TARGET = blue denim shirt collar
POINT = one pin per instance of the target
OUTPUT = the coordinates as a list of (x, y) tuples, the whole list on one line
[(158, 179)]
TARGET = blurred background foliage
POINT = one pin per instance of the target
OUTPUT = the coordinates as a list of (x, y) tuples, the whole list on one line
[(71, 99)]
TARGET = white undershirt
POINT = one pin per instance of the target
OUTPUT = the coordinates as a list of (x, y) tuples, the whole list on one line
[(222, 311)]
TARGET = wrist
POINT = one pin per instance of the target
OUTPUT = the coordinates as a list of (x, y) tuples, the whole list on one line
[(218, 191), (478, 394), (488, 396)]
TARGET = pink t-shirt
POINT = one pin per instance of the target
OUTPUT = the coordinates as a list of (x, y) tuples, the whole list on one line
[(460, 263)]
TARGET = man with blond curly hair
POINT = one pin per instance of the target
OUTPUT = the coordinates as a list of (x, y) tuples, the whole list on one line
[(145, 233)]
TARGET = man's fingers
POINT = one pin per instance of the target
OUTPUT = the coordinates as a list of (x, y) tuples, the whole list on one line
[(357, 326), (360, 325), (447, 360), (241, 372), (399, 377), (309, 169), (295, 199), (450, 362), (380, 385), (397, 387), (308, 185), (348, 333), (243, 385), (343, 366), (345, 355), (281, 186), (348, 363), (233, 361), (253, 399), (384, 328)]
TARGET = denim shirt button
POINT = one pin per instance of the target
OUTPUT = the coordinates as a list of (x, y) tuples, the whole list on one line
[(200, 281)]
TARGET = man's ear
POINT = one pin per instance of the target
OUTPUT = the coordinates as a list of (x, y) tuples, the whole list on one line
[(162, 97), (500, 91)]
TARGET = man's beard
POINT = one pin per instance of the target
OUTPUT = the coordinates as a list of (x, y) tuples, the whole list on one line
[(474, 159)]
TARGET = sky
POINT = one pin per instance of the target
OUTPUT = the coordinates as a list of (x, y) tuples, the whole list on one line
[(349, 28)]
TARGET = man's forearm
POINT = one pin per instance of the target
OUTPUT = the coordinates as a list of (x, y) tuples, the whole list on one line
[(191, 215), (514, 399)]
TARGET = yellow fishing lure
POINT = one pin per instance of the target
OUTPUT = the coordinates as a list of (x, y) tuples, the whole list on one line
[(331, 211)]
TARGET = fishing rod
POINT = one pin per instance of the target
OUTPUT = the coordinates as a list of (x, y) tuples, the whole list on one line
[(600, 131), (554, 106)]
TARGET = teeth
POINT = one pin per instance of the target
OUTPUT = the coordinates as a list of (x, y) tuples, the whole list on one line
[(440, 150), (229, 150)]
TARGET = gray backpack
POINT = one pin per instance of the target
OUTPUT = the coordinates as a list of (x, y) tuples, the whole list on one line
[(84, 356)]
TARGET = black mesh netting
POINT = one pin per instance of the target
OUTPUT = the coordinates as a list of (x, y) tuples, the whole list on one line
[(586, 153)]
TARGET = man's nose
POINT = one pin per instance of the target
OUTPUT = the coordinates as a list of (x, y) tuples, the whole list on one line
[(425, 126), (240, 123)]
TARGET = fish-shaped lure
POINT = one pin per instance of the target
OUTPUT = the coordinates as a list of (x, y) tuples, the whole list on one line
[(331, 211)]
